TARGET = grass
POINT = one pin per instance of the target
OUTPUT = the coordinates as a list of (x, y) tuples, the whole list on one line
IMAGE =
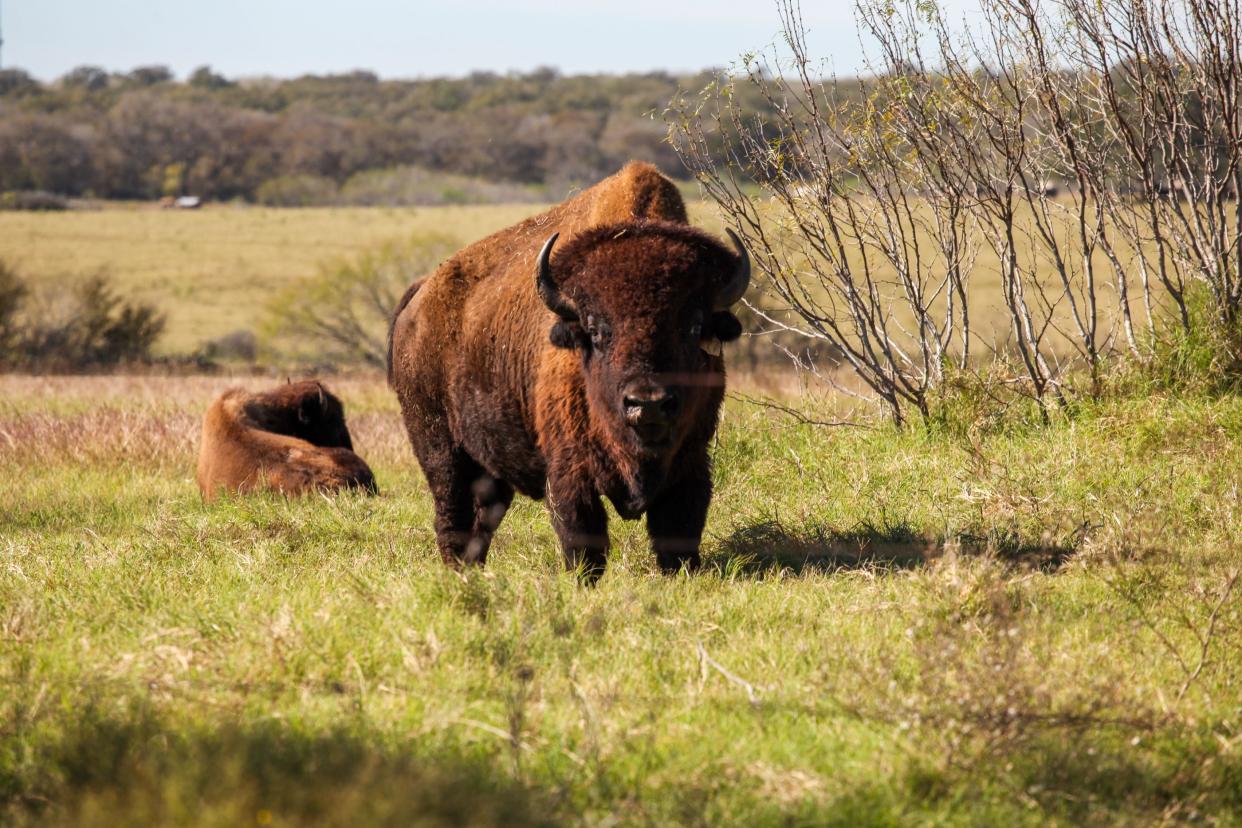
[(999, 624), (983, 621), (215, 271), (212, 270)]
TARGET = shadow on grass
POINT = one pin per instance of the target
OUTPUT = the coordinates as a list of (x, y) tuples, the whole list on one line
[(131, 769), (1102, 776), (769, 546)]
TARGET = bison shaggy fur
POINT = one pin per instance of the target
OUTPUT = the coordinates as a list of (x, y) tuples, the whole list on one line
[(574, 356), (292, 440)]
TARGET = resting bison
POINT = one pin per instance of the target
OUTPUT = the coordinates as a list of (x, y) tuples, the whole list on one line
[(579, 370), (292, 439)]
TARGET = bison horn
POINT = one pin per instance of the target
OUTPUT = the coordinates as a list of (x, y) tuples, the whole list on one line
[(730, 292), (548, 291)]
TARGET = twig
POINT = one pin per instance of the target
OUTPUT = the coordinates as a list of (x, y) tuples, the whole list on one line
[(1206, 642), (707, 661), (795, 413)]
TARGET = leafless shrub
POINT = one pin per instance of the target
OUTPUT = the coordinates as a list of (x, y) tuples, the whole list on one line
[(874, 211), (1194, 627)]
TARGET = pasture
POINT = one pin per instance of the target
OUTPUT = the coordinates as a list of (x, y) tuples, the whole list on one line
[(984, 620), (991, 623), (212, 270)]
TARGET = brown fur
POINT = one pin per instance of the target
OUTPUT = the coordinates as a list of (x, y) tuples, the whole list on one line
[(493, 407), (292, 440), (392, 323)]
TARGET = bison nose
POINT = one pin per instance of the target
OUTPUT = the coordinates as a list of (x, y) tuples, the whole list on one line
[(649, 407)]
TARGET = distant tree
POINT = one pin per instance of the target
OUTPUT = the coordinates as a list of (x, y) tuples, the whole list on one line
[(319, 144), (90, 78), (42, 152), (17, 83), (150, 75), (204, 78), (625, 137), (226, 138)]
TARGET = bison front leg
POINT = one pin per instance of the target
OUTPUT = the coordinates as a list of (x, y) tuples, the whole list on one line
[(675, 522), (581, 525)]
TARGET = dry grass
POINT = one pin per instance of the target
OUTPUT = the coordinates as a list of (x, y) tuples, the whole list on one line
[(155, 420), (213, 269)]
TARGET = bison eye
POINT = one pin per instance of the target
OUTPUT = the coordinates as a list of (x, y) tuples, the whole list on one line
[(599, 332), (696, 329)]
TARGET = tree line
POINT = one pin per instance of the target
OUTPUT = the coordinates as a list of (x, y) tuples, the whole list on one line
[(145, 134)]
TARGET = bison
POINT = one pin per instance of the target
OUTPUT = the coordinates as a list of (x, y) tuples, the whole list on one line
[(577, 370), (292, 439)]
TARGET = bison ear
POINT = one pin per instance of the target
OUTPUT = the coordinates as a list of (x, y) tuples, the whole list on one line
[(568, 335), (310, 408), (725, 326), (734, 287)]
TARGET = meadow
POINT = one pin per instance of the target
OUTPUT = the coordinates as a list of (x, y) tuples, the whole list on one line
[(984, 620), (212, 270)]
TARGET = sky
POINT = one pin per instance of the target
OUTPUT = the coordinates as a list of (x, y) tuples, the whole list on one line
[(407, 38)]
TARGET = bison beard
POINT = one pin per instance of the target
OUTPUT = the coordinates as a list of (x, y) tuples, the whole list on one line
[(576, 371)]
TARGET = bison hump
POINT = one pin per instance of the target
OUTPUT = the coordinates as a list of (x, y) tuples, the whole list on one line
[(638, 191)]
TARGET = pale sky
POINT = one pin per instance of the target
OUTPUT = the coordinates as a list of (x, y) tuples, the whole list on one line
[(407, 39)]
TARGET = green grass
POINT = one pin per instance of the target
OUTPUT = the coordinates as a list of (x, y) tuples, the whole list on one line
[(978, 626)]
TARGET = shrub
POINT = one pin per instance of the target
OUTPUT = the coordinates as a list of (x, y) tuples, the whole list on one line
[(32, 200), (88, 326), (416, 186), (297, 191), (13, 292), (341, 314), (1203, 357), (240, 344)]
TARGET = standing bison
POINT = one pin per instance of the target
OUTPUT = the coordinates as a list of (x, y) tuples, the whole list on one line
[(574, 355)]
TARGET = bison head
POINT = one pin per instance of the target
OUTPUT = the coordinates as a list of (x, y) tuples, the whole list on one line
[(646, 305), (306, 410)]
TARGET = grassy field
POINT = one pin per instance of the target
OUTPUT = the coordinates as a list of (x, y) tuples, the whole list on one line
[(212, 270), (980, 621), (987, 624)]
